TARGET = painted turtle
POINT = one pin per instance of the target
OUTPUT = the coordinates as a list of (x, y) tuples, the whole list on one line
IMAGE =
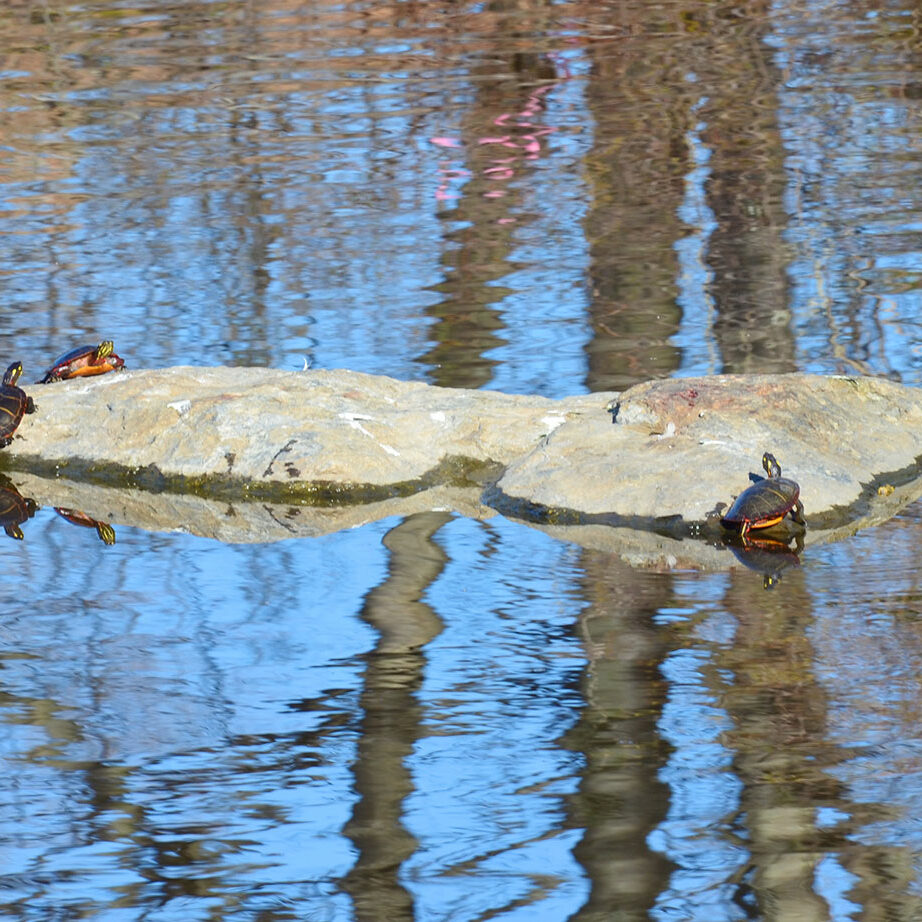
[(84, 361), (13, 404), (105, 531), (766, 502)]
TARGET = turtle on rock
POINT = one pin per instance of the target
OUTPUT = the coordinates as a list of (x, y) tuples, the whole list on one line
[(14, 404), (766, 502), (83, 362)]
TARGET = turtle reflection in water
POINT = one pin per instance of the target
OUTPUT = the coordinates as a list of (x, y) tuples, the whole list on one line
[(105, 531), (14, 509), (766, 556), (766, 502)]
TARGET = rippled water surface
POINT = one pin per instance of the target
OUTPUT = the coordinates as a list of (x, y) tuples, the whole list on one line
[(441, 717)]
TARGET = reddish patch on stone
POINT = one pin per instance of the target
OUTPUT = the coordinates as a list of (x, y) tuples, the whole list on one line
[(739, 394)]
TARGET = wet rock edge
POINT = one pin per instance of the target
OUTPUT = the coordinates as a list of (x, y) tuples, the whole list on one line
[(451, 471), (872, 507)]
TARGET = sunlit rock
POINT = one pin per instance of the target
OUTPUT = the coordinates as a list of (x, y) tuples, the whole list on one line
[(274, 430), (665, 456), (324, 437), (679, 447)]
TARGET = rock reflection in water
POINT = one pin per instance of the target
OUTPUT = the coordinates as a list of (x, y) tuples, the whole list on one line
[(198, 729)]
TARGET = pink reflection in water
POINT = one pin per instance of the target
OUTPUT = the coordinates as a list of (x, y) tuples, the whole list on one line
[(523, 137)]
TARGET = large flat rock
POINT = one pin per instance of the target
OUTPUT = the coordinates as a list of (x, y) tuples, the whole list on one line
[(669, 449), (262, 428), (679, 447)]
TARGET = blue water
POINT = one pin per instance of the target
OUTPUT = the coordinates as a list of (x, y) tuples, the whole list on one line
[(441, 717)]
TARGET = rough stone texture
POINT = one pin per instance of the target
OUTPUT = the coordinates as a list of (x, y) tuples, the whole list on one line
[(676, 447), (647, 549), (680, 446), (263, 426)]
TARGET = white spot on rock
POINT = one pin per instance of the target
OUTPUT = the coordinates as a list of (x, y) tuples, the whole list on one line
[(552, 422), (353, 420), (438, 416), (181, 406)]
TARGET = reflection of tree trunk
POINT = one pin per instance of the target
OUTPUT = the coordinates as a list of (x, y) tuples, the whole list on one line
[(779, 724), (390, 726), (620, 799), (637, 171), (635, 174), (746, 253), (469, 323)]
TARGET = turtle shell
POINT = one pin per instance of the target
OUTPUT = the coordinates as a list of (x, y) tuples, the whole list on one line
[(83, 361), (14, 403), (764, 503)]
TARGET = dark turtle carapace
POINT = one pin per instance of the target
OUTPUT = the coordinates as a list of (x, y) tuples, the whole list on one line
[(14, 403), (766, 502), (84, 361)]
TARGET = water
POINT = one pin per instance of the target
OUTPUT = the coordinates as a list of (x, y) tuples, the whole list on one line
[(439, 717)]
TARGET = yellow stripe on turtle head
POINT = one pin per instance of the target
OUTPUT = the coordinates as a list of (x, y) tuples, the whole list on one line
[(13, 373)]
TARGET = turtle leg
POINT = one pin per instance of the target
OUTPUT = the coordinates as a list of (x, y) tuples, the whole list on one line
[(797, 513), (30, 405), (5, 441), (744, 528)]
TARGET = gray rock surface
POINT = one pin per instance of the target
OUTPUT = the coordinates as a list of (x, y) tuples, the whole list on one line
[(352, 444), (680, 446), (282, 432)]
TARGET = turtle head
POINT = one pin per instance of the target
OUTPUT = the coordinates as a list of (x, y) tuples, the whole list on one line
[(12, 373), (772, 467), (106, 347)]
